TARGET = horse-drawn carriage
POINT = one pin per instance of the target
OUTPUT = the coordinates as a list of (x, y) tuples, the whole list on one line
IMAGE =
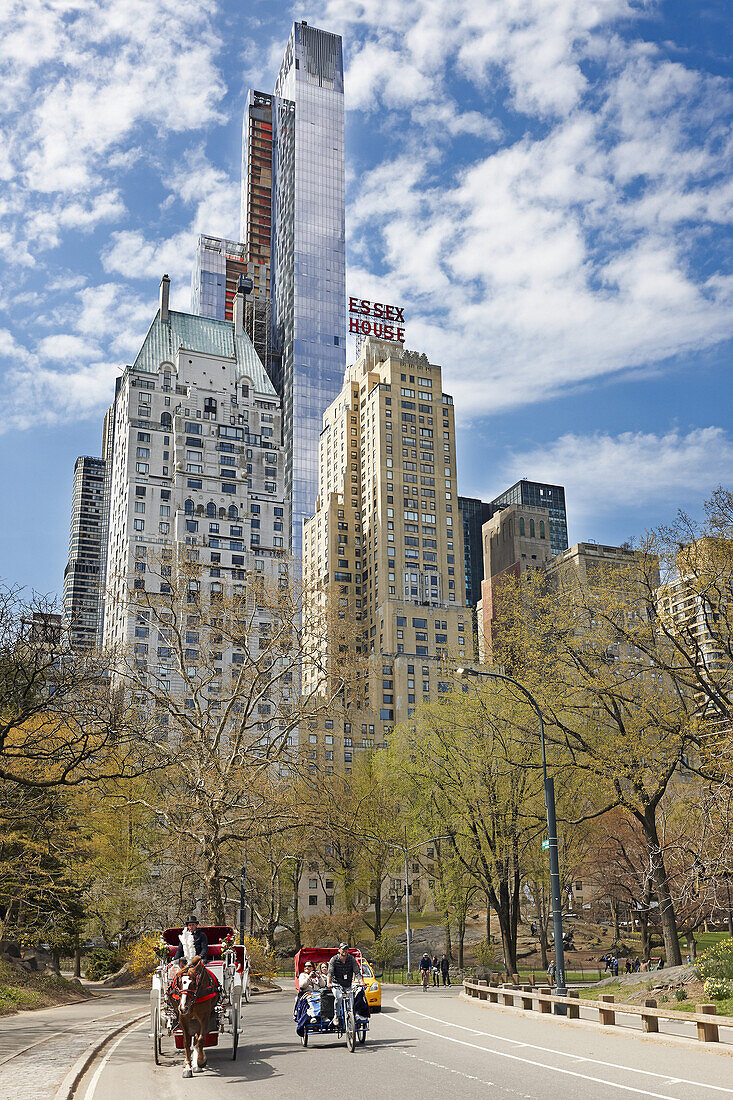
[(316, 1013), (215, 992)]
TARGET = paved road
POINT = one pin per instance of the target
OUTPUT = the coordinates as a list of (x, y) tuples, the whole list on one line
[(37, 1048), (423, 1046)]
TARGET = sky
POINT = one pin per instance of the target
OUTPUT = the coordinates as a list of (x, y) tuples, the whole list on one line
[(544, 185)]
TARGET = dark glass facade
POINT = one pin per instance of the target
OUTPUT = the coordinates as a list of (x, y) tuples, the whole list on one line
[(474, 514), (308, 253), (538, 495), (84, 572)]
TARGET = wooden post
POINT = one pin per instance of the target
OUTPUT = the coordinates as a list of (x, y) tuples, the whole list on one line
[(544, 1004), (707, 1033), (649, 1023), (508, 994), (526, 997), (574, 1010), (493, 995), (606, 1015)]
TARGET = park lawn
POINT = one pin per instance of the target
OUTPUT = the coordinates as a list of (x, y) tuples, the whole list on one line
[(21, 990)]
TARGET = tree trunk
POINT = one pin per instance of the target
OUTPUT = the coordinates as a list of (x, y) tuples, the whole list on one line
[(297, 870), (644, 929), (77, 957), (377, 929), (614, 914), (691, 946), (488, 919), (661, 889), (447, 945), (507, 925)]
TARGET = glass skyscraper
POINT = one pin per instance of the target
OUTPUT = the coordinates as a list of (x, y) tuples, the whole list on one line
[(308, 253)]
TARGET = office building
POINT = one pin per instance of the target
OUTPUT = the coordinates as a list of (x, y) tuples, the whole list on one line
[(474, 514), (308, 249), (516, 540), (82, 597), (218, 266), (197, 464), (535, 494), (386, 538)]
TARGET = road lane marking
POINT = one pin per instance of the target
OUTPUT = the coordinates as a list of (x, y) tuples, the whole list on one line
[(89, 1095), (550, 1050), (541, 1065), (468, 1076)]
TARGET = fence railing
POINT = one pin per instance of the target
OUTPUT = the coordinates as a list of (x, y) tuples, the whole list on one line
[(705, 1018)]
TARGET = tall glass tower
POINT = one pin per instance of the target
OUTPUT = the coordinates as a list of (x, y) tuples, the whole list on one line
[(308, 253)]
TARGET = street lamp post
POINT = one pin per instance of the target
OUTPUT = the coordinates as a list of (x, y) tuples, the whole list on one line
[(551, 827), (405, 852)]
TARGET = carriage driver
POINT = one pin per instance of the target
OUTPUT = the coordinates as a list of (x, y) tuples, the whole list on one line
[(200, 943), (342, 970)]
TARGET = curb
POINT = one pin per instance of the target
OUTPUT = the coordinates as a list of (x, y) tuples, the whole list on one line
[(681, 1042), (68, 1086)]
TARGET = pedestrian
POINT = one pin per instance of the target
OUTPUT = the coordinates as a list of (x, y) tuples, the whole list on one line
[(445, 970), (607, 960), (628, 965), (533, 928), (615, 966), (660, 964), (435, 970), (637, 964), (551, 973)]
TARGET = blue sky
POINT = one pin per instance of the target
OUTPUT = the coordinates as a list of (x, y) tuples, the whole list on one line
[(545, 185)]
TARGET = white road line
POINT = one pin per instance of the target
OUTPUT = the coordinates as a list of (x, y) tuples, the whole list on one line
[(550, 1050), (467, 1076), (89, 1095)]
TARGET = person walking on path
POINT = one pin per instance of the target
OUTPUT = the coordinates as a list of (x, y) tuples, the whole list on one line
[(445, 970), (435, 970)]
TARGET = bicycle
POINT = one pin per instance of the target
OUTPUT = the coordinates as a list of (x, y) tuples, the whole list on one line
[(347, 1020), (425, 979)]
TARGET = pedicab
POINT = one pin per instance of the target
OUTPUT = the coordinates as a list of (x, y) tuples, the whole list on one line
[(315, 1012), (228, 964)]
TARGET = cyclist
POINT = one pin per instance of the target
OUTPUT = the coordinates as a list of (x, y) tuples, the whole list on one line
[(343, 970), (425, 964)]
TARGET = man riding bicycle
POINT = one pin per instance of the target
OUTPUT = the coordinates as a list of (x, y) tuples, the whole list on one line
[(425, 964), (343, 969)]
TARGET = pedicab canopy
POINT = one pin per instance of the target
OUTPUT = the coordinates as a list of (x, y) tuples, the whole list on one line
[(214, 933), (318, 955)]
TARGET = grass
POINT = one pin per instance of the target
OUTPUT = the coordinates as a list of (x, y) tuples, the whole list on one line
[(21, 990)]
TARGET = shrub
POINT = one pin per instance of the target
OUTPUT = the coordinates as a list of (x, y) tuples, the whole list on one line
[(486, 955), (718, 988), (384, 950), (141, 956), (717, 962), (100, 963), (328, 929), (261, 961), (681, 994)]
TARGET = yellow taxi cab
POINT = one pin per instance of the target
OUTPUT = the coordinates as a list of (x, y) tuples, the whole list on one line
[(372, 987)]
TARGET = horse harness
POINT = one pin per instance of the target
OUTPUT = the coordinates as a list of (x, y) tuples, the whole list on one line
[(205, 985)]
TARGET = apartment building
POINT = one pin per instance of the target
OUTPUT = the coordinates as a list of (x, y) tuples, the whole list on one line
[(197, 464)]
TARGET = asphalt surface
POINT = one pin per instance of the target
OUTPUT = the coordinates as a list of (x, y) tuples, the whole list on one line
[(423, 1045)]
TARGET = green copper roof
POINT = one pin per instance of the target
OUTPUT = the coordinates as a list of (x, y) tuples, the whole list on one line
[(185, 330)]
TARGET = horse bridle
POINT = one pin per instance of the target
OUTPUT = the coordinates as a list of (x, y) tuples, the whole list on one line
[(197, 978)]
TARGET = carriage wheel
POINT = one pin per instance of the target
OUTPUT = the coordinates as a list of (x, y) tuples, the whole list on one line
[(304, 1038), (155, 1029), (235, 1037), (350, 1031)]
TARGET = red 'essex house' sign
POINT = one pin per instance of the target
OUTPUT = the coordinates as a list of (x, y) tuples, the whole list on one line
[(376, 319)]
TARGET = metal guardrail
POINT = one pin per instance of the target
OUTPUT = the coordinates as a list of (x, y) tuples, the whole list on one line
[(705, 1018)]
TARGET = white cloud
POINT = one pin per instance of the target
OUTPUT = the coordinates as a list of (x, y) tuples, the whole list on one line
[(604, 473), (65, 348), (35, 395), (571, 252), (215, 200)]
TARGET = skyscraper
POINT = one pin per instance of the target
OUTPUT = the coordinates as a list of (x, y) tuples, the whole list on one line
[(308, 249), (218, 265), (87, 547), (197, 463), (387, 535), (535, 494), (474, 514)]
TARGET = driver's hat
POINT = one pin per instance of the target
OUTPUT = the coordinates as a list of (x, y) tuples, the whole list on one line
[(343, 947)]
